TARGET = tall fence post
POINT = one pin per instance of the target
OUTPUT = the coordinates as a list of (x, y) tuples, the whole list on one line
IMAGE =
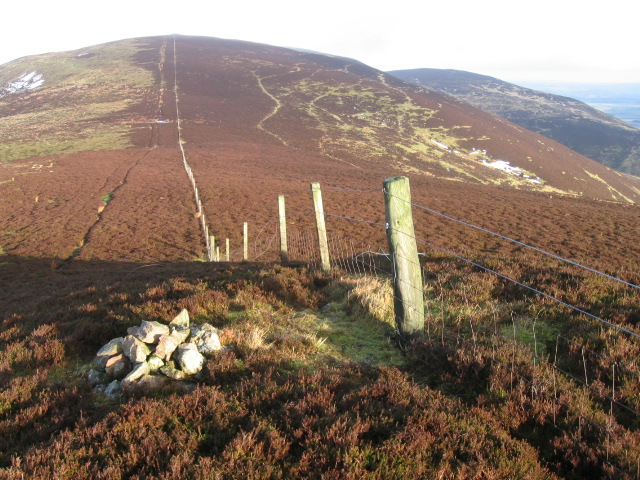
[(316, 195), (245, 252), (212, 246), (407, 283), (227, 249), (284, 250)]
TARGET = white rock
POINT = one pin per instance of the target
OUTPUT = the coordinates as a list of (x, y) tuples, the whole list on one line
[(134, 349), (181, 319), (139, 370), (206, 338), (154, 363), (149, 332), (189, 358)]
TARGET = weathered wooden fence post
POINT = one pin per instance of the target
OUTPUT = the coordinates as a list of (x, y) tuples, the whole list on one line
[(212, 247), (316, 195), (284, 249), (407, 282), (245, 254), (227, 249)]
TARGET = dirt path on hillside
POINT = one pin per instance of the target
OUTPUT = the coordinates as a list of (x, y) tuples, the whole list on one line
[(273, 112), (107, 202), (148, 218)]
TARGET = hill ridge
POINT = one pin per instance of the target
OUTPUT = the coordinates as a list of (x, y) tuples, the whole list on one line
[(571, 122)]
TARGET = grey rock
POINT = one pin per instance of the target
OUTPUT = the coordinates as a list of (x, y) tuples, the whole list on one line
[(180, 332), (99, 388), (182, 319), (206, 338), (96, 377), (136, 350), (150, 332), (172, 372), (118, 366), (113, 390), (132, 331), (100, 362), (189, 358), (154, 363), (139, 370), (150, 383), (113, 347), (167, 344)]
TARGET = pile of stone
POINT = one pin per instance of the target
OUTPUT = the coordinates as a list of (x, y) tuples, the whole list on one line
[(152, 353)]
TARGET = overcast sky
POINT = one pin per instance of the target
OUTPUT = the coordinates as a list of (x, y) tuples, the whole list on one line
[(541, 41)]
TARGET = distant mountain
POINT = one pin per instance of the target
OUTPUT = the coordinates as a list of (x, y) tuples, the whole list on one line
[(621, 100), (580, 127)]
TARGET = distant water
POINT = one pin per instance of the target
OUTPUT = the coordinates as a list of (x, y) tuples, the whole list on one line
[(618, 100), (625, 110)]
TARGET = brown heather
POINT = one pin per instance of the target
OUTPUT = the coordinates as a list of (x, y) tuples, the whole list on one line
[(310, 391)]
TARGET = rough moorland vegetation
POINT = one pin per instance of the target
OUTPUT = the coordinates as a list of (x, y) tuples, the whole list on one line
[(314, 386)]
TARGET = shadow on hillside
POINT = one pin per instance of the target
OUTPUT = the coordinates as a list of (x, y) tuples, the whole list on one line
[(89, 302)]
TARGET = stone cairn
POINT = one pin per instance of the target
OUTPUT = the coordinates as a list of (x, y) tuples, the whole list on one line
[(153, 353)]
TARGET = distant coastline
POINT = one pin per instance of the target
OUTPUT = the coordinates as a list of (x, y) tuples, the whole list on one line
[(619, 100)]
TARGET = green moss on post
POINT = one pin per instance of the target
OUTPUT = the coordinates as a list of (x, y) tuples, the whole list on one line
[(407, 282)]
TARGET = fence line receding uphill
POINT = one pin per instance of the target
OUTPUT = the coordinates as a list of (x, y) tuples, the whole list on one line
[(569, 359), (209, 248)]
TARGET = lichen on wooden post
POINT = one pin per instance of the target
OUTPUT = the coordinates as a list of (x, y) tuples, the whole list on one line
[(284, 250), (316, 195), (407, 282)]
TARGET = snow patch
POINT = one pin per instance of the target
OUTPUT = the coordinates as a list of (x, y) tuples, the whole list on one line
[(508, 168), (504, 166), (441, 145), (26, 81)]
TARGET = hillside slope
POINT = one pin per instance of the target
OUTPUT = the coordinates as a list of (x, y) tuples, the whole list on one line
[(570, 122), (101, 228), (254, 121)]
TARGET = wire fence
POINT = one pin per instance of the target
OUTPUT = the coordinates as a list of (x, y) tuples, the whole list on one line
[(554, 358)]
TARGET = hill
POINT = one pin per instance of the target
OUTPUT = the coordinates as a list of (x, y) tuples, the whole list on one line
[(570, 122), (101, 228), (255, 121)]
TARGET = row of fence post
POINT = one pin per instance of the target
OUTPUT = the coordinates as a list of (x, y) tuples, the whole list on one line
[(407, 272)]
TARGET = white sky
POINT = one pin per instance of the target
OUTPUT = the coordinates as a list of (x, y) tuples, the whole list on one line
[(542, 41)]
